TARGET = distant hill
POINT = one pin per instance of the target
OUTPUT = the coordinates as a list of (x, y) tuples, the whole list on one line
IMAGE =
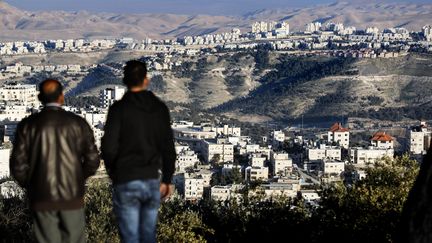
[(315, 88), (16, 24)]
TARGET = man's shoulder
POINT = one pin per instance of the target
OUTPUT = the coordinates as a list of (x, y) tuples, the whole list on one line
[(160, 103), (117, 104), (72, 117)]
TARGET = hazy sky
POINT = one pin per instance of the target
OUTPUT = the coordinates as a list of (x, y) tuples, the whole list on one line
[(222, 7)]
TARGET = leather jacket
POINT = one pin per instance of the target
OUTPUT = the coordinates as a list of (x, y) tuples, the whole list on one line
[(54, 153)]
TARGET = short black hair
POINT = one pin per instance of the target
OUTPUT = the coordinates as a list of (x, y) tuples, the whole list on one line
[(50, 94), (134, 73)]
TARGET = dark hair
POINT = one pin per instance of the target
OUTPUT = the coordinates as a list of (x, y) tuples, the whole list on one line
[(50, 94), (134, 73)]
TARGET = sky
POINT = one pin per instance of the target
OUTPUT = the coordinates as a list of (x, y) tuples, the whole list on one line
[(213, 7)]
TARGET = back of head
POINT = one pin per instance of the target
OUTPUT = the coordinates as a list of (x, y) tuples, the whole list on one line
[(50, 91), (134, 73)]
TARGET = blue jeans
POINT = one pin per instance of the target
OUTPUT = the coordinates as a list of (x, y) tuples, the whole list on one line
[(136, 205)]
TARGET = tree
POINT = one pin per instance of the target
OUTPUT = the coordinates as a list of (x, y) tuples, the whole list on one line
[(215, 159), (184, 227), (101, 224), (370, 209)]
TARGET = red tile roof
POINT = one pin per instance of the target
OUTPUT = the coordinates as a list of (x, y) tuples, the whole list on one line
[(337, 127), (382, 137)]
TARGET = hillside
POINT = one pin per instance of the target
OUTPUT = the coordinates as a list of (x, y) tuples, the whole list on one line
[(270, 86), (382, 86), (16, 24)]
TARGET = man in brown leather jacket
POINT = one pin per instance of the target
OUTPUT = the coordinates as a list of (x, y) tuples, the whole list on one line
[(54, 153)]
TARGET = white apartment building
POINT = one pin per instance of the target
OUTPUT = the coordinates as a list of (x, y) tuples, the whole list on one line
[(258, 173), (427, 32), (372, 30), (220, 193), (193, 132), (333, 167), (258, 161), (23, 94), (226, 130), (4, 162), (323, 152), (420, 138), (275, 190), (13, 112), (94, 118), (313, 27), (278, 29), (216, 150), (310, 195), (109, 95), (278, 137), (185, 159), (182, 124), (382, 140), (240, 141), (193, 187), (261, 27), (281, 162), (282, 30), (338, 134), (252, 148), (206, 174), (369, 155)]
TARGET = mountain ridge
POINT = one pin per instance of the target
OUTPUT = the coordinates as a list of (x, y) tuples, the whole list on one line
[(17, 24)]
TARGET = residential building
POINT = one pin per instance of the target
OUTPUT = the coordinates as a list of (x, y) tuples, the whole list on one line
[(13, 112), (94, 118), (4, 162), (339, 135), (190, 185), (277, 189), (258, 161), (310, 195), (323, 152), (333, 167), (313, 27), (420, 138), (427, 32), (22, 94), (216, 150), (369, 155), (226, 130), (281, 162), (382, 140), (220, 193), (278, 138), (372, 30), (257, 173), (109, 95), (194, 187), (186, 159)]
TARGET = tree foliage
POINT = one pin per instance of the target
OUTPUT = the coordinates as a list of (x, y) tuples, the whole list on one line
[(368, 210)]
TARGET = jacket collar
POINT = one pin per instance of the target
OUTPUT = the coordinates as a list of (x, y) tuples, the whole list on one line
[(52, 106)]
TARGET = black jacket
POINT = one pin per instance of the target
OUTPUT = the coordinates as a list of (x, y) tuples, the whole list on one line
[(138, 139), (54, 153)]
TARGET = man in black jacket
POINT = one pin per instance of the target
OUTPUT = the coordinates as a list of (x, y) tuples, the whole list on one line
[(54, 153), (138, 142)]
